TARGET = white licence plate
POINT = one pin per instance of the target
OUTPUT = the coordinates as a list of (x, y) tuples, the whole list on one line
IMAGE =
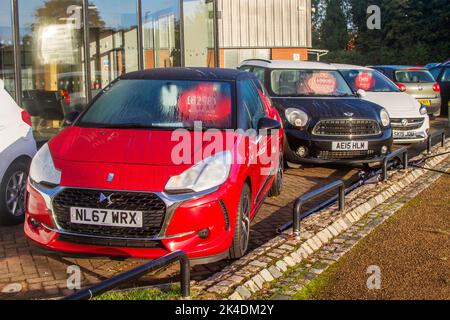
[(107, 218), (351, 146), (404, 134)]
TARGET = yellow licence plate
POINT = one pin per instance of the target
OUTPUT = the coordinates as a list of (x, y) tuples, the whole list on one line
[(425, 102)]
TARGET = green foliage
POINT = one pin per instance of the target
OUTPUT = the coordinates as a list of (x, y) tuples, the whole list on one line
[(413, 32), (334, 28)]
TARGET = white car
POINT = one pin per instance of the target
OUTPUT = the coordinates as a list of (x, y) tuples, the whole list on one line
[(410, 121), (17, 148)]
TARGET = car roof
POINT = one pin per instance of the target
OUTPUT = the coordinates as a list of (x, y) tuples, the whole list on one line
[(288, 64), (400, 67), (341, 66), (197, 74)]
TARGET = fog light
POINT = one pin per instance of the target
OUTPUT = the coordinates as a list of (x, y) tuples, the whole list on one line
[(384, 150), (302, 152), (203, 234)]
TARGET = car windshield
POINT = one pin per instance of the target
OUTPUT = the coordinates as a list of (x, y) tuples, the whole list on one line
[(161, 104), (368, 80), (307, 83), (413, 76)]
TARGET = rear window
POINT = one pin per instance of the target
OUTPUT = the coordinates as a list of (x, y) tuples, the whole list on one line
[(309, 83), (413, 76), (371, 81), (162, 104)]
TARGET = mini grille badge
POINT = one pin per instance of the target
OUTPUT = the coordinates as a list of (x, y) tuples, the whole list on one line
[(110, 177), (349, 114), (104, 198)]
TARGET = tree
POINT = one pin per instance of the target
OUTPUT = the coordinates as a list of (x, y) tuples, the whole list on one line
[(334, 28)]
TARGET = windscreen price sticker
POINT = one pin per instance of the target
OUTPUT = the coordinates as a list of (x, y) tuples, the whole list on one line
[(190, 311)]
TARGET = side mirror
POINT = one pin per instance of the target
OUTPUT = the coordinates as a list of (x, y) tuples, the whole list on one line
[(70, 119), (267, 125), (361, 93)]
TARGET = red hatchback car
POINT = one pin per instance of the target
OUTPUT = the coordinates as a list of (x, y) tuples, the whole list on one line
[(161, 160)]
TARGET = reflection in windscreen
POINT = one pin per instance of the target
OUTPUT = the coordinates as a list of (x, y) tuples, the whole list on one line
[(368, 80), (162, 104), (309, 83)]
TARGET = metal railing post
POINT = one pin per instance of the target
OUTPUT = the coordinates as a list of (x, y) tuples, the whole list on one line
[(137, 273), (297, 215), (396, 154), (443, 139)]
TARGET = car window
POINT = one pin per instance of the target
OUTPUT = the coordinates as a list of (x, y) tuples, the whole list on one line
[(436, 72), (260, 73), (413, 76), (446, 75), (324, 83), (246, 68), (162, 103), (372, 81), (251, 104)]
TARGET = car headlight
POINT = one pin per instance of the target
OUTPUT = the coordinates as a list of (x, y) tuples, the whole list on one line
[(423, 110), (206, 175), (42, 170), (385, 119), (296, 117)]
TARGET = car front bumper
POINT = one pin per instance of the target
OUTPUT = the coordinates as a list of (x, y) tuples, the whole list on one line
[(317, 147), (185, 219), (413, 136)]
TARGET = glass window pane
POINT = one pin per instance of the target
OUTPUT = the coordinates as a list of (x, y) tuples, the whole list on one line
[(199, 33), (53, 79), (114, 40), (161, 33), (6, 47)]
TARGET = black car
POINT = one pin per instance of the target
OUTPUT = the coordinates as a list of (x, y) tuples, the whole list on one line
[(325, 121), (441, 73)]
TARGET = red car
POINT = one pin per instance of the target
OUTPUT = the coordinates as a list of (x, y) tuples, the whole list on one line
[(161, 160)]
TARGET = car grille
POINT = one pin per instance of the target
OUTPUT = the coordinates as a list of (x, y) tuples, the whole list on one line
[(413, 124), (348, 127), (153, 208), (111, 242), (338, 155)]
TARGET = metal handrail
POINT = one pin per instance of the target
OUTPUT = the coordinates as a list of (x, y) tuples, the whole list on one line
[(313, 195), (137, 273), (434, 135), (396, 154)]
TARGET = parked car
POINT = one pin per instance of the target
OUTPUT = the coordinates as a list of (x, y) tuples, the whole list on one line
[(325, 122), (17, 147), (442, 75), (417, 82), (409, 119), (137, 176)]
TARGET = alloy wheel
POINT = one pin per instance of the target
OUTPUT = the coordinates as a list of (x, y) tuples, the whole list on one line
[(15, 193)]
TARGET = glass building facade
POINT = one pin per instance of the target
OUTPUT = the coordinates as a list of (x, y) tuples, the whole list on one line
[(55, 55)]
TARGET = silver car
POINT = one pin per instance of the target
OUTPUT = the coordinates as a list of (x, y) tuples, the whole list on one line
[(417, 82)]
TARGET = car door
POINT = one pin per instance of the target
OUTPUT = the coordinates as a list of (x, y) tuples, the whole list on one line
[(444, 82), (251, 110)]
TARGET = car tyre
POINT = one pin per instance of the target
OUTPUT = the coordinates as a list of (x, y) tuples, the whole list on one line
[(12, 193), (277, 186), (242, 229)]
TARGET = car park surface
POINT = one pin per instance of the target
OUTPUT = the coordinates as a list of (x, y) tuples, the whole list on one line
[(418, 82), (325, 122), (409, 119), (113, 183)]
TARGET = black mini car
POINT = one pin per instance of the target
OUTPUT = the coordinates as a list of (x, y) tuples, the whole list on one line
[(325, 121)]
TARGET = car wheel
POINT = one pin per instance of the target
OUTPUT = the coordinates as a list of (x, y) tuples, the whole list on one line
[(242, 230), (12, 194), (277, 186)]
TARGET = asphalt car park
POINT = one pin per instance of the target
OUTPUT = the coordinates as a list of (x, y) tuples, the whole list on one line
[(41, 275)]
